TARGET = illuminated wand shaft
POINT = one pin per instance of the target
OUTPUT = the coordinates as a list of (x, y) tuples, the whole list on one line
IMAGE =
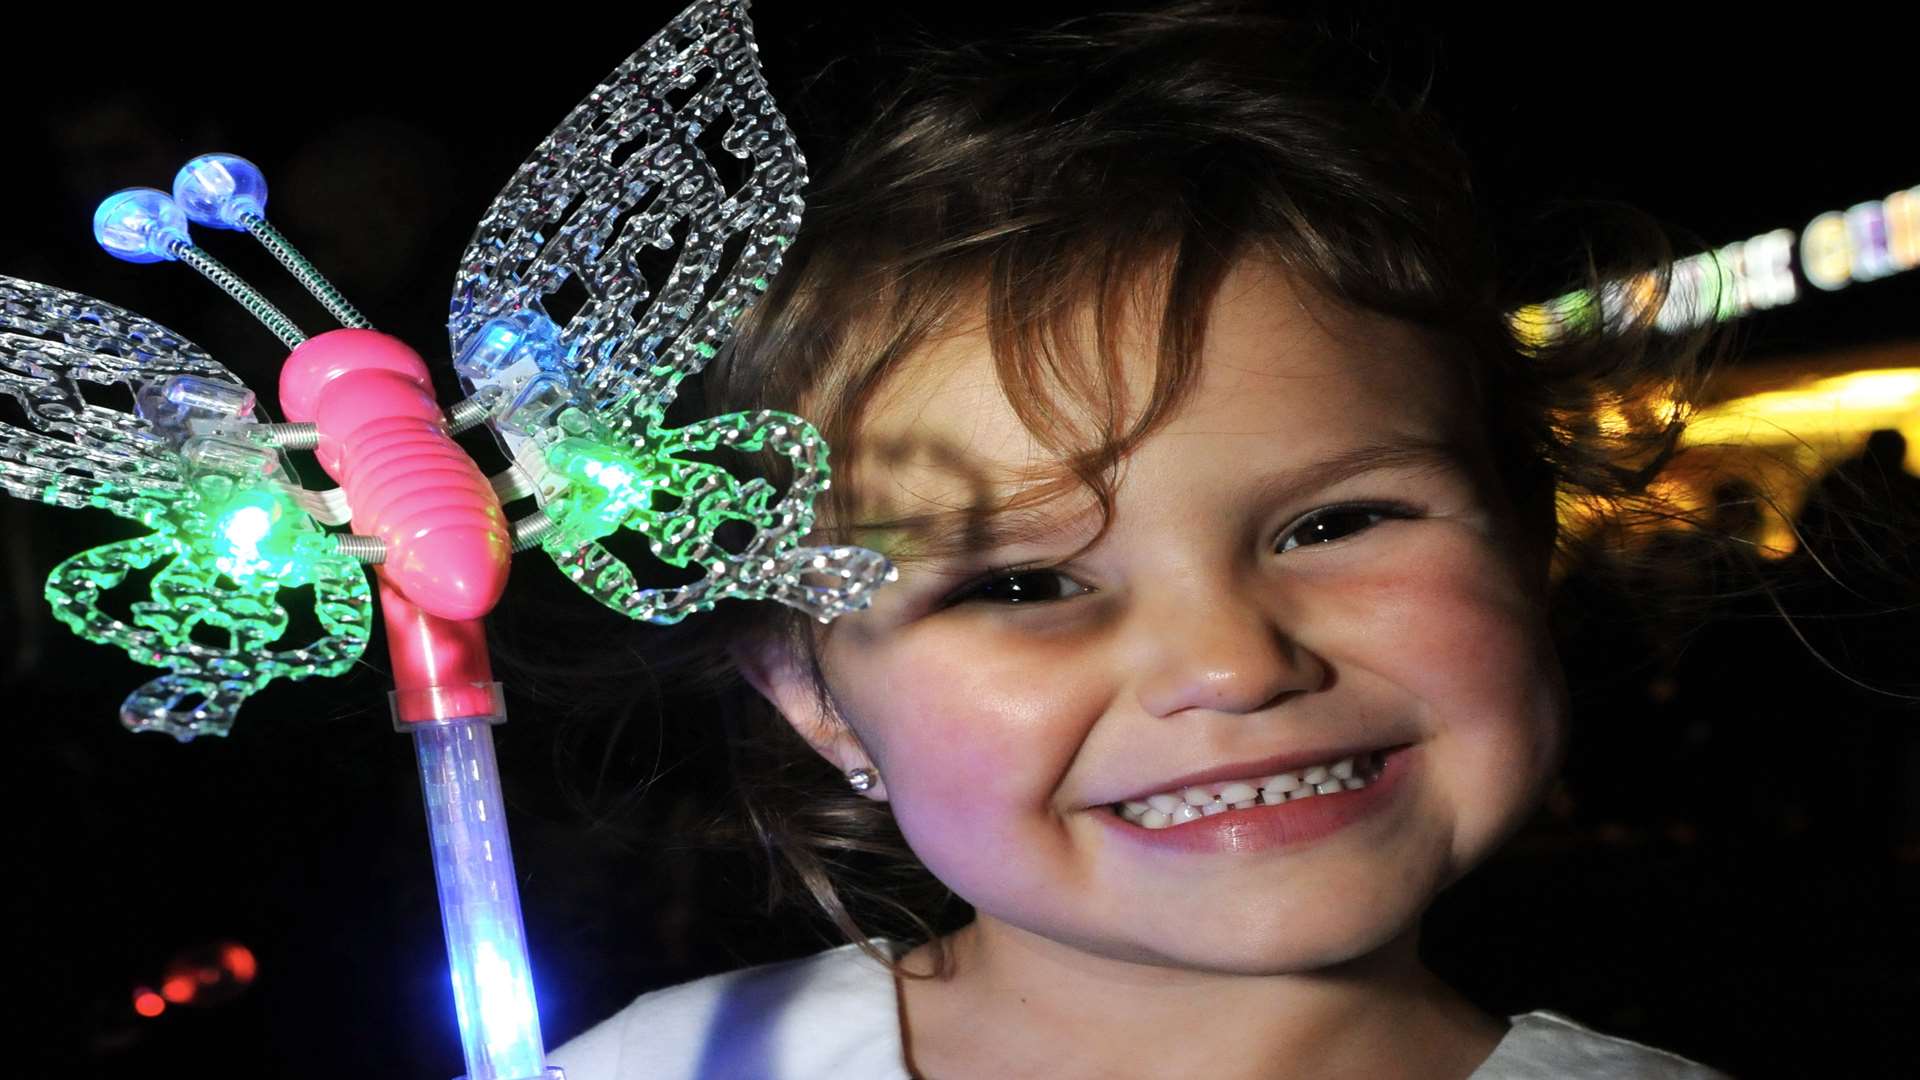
[(479, 901)]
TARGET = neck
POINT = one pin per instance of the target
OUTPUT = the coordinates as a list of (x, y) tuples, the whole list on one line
[(1058, 1011)]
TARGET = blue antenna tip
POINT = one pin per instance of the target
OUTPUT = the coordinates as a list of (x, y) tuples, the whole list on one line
[(140, 225), (217, 190)]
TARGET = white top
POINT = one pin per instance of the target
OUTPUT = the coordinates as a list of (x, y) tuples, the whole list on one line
[(834, 1016)]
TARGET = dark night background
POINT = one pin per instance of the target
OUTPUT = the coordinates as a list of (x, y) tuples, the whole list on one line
[(1731, 870)]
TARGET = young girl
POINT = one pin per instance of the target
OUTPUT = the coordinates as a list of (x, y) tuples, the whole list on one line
[(1166, 357)]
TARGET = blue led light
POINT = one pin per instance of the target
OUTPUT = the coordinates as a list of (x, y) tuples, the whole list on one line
[(217, 190), (496, 343), (140, 225), (525, 336)]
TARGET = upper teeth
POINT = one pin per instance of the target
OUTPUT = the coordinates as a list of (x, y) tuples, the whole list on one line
[(1204, 800)]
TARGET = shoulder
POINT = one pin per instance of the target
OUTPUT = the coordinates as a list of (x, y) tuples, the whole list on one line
[(1544, 1044), (830, 1014)]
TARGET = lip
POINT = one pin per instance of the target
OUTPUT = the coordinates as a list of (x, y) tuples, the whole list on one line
[(1248, 770), (1295, 823)]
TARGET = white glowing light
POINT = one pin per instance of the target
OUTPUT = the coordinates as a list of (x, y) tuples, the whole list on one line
[(247, 526), (1866, 242)]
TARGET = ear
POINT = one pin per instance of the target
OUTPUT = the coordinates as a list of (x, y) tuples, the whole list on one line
[(772, 667)]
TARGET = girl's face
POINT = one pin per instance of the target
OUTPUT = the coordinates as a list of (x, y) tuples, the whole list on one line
[(1219, 631)]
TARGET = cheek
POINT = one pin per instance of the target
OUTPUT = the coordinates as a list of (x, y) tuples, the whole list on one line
[(973, 752), (1455, 628)]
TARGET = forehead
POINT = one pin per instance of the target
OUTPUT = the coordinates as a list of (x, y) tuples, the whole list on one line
[(1282, 370)]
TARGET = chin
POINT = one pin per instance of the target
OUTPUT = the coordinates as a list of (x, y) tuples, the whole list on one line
[(1303, 946), (1252, 939)]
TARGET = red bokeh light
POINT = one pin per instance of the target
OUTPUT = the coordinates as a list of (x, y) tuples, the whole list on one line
[(178, 989), (202, 976), (239, 962)]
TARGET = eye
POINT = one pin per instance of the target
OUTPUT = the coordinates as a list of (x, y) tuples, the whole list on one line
[(1326, 526), (1012, 586)]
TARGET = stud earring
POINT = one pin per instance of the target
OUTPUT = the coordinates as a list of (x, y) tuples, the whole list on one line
[(863, 778)]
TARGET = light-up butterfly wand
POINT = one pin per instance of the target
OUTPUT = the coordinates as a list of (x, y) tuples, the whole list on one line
[(579, 409)]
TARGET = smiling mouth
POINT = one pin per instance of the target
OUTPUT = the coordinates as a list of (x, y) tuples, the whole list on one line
[(1170, 808)]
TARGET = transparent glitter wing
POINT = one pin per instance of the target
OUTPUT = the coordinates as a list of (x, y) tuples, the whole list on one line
[(680, 150), (74, 452), (221, 547), (613, 184)]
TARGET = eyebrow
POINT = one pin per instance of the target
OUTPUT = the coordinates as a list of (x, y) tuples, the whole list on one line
[(1411, 453), (945, 534)]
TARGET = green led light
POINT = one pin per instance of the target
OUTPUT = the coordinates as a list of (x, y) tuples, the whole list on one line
[(256, 533), (611, 488), (606, 490)]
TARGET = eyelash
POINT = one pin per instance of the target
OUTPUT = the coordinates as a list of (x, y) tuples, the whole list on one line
[(968, 593)]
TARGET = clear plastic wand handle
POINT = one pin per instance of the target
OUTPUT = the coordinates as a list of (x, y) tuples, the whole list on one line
[(479, 899)]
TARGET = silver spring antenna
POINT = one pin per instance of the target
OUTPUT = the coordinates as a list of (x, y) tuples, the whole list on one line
[(226, 191), (257, 305), (145, 225)]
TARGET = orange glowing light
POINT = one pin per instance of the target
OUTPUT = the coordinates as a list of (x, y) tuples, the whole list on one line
[(178, 989), (239, 963), (147, 1003), (1777, 427)]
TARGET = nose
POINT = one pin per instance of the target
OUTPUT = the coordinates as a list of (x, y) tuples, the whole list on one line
[(1222, 651)]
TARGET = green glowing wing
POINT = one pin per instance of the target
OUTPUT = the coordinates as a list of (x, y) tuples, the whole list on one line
[(681, 505), (215, 635), (214, 613)]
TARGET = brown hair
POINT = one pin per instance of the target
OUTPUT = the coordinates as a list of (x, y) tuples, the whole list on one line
[(1055, 173)]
